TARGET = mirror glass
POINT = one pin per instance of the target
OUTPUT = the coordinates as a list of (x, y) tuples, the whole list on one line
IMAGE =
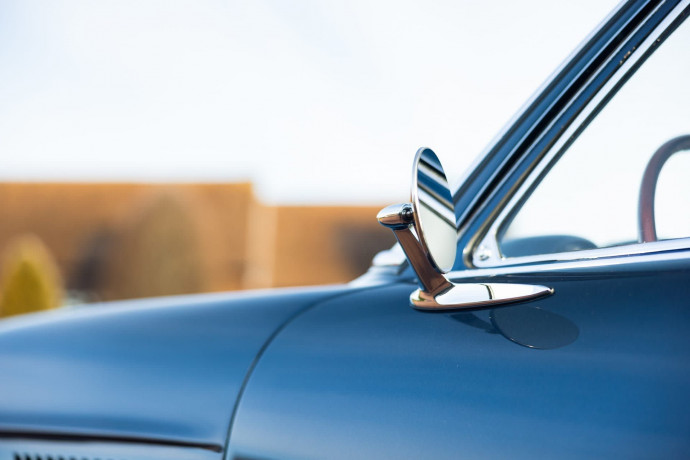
[(433, 209)]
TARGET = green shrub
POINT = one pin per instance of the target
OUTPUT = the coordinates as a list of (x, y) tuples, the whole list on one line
[(30, 280)]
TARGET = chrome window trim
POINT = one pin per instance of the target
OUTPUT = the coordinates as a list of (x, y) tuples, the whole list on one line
[(600, 253), (487, 253), (526, 106), (533, 97), (568, 266)]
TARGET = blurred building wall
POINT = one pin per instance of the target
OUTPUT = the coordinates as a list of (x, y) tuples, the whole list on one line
[(121, 240), (297, 245)]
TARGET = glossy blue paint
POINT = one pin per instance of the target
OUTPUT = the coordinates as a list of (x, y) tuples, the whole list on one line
[(365, 376), (165, 371), (599, 369)]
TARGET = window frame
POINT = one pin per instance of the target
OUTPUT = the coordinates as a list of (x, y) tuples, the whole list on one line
[(486, 253)]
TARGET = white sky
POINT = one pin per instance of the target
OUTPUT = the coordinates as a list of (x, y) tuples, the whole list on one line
[(314, 101)]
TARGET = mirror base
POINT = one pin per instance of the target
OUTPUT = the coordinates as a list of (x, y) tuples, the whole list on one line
[(476, 295), (431, 251)]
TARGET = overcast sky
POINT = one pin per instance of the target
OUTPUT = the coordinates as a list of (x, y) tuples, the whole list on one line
[(314, 101)]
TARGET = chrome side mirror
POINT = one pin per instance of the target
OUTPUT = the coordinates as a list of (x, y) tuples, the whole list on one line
[(432, 251)]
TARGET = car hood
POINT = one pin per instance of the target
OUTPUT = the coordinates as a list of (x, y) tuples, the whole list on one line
[(165, 370)]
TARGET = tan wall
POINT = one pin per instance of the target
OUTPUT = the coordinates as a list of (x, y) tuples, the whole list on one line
[(299, 245), (76, 221), (130, 240)]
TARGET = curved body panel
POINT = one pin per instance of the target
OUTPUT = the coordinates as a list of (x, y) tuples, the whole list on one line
[(162, 371), (597, 370)]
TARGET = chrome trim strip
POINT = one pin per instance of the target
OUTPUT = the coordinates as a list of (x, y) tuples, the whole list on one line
[(557, 267), (19, 433), (487, 253), (615, 251), (523, 109)]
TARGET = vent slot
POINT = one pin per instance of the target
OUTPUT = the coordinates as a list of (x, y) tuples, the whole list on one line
[(25, 456)]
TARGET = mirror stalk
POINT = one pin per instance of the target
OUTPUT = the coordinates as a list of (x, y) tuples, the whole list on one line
[(400, 219), (431, 247)]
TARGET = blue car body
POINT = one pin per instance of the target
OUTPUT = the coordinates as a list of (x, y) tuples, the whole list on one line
[(599, 369)]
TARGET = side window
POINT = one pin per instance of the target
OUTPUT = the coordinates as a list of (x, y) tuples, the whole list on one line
[(591, 197)]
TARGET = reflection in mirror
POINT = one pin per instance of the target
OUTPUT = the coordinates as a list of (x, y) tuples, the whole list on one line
[(433, 209), (432, 251)]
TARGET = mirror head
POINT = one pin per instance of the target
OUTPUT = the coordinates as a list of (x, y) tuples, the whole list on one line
[(427, 233), (434, 213)]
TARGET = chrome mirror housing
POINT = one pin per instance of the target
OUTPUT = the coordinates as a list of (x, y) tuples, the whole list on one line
[(427, 232)]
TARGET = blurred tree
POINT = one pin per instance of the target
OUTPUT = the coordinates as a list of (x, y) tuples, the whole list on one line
[(30, 278), (157, 253)]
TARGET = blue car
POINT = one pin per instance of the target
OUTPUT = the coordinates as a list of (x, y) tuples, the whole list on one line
[(540, 310)]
